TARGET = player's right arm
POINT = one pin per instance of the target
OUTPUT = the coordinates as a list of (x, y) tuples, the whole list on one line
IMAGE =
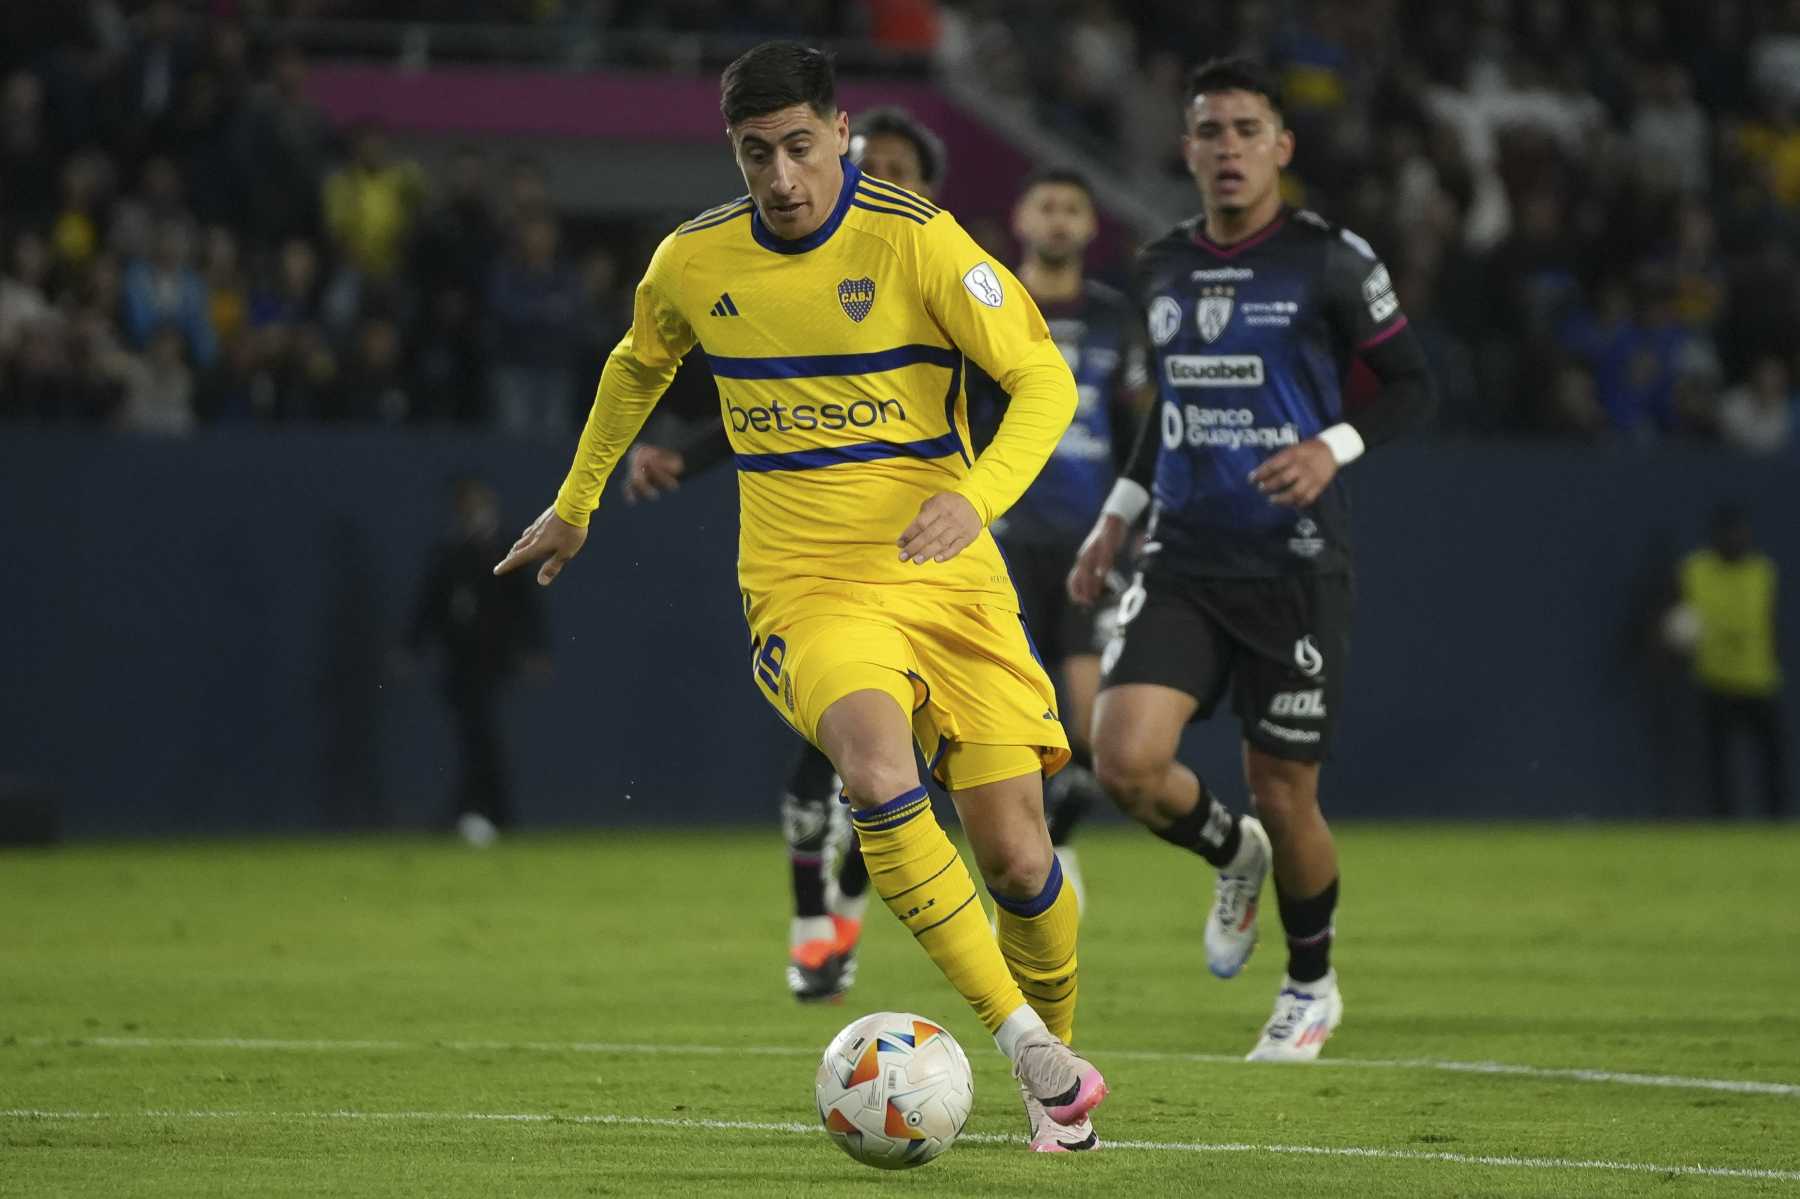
[(636, 374)]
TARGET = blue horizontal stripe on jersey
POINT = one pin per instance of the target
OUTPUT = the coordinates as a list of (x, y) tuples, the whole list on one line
[(870, 181), (865, 192), (861, 451), (820, 366), (914, 217), (699, 223)]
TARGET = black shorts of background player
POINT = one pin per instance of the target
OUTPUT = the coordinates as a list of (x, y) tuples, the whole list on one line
[(830, 882), (1254, 311)]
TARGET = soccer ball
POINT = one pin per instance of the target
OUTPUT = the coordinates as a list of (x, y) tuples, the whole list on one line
[(894, 1090)]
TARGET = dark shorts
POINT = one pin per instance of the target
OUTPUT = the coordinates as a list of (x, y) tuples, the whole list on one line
[(1280, 644), (1059, 627)]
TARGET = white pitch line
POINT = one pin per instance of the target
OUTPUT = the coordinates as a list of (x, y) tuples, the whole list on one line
[(799, 1128), (1739, 1086)]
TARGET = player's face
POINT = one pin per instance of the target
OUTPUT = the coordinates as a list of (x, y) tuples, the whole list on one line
[(790, 163), (1054, 222), (894, 158), (1235, 148)]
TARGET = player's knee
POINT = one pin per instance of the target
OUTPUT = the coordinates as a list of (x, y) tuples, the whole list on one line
[(1283, 793), (1017, 871), (1129, 774), (873, 775)]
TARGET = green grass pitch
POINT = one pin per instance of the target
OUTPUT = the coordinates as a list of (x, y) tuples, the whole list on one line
[(604, 1014)]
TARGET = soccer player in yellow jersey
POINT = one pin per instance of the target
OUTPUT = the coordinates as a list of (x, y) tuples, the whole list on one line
[(836, 312)]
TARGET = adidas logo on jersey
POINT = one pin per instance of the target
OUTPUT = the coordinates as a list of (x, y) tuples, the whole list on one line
[(725, 307)]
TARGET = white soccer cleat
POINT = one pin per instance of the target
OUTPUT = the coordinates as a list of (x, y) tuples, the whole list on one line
[(1305, 1015), (1231, 925)]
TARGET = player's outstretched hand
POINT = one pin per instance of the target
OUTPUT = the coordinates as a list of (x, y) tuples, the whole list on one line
[(549, 536), (947, 524), (650, 470), (1087, 578), (1295, 477)]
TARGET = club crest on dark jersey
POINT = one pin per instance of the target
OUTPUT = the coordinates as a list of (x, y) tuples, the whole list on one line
[(857, 296), (1214, 311)]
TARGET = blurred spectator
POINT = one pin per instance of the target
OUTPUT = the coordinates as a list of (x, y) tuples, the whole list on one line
[(490, 629), (1726, 620), (460, 238), (1670, 136), (161, 396), (24, 302), (165, 291), (375, 387), (76, 233), (535, 303), (371, 205), (1758, 416), (27, 159), (227, 297), (283, 142), (160, 198), (160, 60)]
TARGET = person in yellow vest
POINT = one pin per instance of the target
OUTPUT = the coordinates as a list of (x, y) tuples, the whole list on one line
[(1726, 621)]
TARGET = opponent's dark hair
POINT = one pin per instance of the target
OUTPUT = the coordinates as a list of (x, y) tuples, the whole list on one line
[(1064, 176), (893, 121), (774, 76), (1235, 75)]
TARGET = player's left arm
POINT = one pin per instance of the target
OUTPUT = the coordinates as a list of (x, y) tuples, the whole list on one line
[(1366, 314), (988, 315)]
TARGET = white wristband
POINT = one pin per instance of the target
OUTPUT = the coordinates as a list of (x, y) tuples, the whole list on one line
[(1127, 501), (1344, 442)]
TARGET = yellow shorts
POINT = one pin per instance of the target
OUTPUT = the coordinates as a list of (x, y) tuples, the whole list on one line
[(982, 707)]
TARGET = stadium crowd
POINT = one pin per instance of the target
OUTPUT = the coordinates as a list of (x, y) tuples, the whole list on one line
[(1592, 211)]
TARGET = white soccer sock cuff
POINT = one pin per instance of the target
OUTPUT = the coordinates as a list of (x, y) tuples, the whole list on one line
[(1015, 1028)]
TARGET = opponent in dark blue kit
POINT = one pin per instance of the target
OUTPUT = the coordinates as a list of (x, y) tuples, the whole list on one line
[(1254, 311), (1100, 334)]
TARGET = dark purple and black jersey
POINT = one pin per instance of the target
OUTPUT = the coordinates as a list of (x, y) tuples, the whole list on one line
[(1250, 348), (1100, 337)]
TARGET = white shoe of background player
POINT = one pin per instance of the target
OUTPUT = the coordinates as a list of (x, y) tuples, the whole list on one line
[(1231, 925), (1305, 1015)]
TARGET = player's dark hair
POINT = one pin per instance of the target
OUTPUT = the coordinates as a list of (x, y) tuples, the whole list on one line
[(893, 121), (774, 76), (1235, 75), (1061, 176)]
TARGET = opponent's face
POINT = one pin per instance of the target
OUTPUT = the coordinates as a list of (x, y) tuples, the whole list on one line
[(894, 158), (1054, 222), (1235, 147), (790, 163)]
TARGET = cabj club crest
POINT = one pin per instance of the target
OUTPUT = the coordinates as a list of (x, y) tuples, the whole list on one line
[(857, 296)]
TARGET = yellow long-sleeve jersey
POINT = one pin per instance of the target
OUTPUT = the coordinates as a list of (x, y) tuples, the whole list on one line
[(840, 359)]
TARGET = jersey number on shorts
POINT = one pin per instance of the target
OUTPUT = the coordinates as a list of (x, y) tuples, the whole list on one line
[(768, 664)]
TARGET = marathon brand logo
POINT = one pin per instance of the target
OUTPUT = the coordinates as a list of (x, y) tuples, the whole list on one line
[(1296, 736), (1214, 370), (1223, 274), (1222, 428), (1302, 704), (788, 418)]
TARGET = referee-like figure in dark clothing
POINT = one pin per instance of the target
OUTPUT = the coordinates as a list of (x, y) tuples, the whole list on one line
[(490, 629)]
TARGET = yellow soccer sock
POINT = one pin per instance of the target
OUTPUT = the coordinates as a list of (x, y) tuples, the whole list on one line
[(923, 881), (1037, 938)]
